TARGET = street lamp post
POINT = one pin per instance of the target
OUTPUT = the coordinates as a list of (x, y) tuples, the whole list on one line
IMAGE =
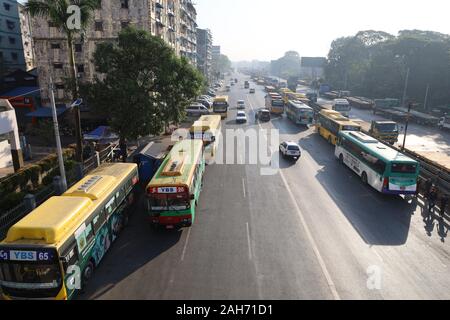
[(406, 125), (406, 87), (58, 139)]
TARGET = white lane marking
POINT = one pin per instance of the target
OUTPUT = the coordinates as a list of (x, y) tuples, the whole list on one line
[(185, 244), (243, 187), (248, 241), (312, 241)]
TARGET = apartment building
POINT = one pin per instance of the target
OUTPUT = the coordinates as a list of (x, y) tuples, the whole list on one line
[(11, 48), (172, 20), (204, 52), (27, 38)]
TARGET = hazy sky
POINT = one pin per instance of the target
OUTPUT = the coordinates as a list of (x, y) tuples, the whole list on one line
[(265, 29)]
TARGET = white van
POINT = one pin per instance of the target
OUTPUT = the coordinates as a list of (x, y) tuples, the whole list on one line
[(342, 106)]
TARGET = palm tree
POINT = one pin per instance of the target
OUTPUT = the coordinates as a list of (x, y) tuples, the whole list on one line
[(56, 12)]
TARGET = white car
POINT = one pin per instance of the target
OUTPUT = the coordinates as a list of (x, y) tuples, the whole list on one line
[(241, 104), (290, 149), (241, 117)]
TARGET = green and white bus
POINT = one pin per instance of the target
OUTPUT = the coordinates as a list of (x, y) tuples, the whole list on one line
[(382, 167), (174, 191), (299, 112)]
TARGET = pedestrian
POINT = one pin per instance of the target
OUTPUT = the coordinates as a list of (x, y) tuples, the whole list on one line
[(123, 149), (443, 204), (419, 187), (427, 185), (432, 198)]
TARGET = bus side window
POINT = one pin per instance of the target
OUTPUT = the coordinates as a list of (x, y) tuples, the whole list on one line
[(98, 221), (89, 232), (110, 206)]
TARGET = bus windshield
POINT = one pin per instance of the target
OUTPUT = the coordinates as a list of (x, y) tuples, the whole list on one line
[(19, 275), (220, 106), (277, 103), (387, 127), (342, 107)]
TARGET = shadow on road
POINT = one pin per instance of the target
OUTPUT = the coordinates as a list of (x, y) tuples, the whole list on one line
[(379, 219), (138, 245)]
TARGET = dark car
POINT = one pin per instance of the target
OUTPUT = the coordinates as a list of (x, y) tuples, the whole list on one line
[(262, 115)]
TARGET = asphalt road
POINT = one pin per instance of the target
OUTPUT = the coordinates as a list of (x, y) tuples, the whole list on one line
[(310, 231)]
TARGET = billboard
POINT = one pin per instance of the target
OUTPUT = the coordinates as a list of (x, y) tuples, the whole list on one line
[(313, 62)]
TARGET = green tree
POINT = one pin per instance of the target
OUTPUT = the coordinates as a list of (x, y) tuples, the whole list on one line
[(57, 12), (143, 86), (287, 66)]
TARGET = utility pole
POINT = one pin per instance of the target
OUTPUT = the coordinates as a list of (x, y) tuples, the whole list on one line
[(425, 104), (406, 88), (58, 139), (406, 125)]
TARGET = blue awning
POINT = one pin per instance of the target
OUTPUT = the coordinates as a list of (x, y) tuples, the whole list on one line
[(46, 112)]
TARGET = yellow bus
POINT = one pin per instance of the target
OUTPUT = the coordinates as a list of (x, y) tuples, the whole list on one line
[(331, 122), (174, 191), (220, 106), (208, 129), (274, 103), (53, 251), (270, 89), (284, 94)]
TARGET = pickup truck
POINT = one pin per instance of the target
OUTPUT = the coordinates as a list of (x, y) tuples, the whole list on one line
[(443, 123)]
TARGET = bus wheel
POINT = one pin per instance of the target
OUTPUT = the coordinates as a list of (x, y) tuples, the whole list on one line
[(364, 178), (341, 158), (88, 271)]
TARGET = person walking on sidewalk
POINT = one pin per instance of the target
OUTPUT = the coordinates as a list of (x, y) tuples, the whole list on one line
[(443, 204), (432, 198)]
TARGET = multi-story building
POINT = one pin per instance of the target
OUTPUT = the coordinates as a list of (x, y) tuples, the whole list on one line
[(215, 51), (11, 47), (172, 20), (204, 52), (188, 31), (27, 38)]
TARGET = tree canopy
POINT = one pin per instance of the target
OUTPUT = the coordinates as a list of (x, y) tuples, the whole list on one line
[(375, 64), (142, 85), (287, 66)]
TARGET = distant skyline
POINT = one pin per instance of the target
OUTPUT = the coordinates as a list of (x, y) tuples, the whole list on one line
[(265, 30)]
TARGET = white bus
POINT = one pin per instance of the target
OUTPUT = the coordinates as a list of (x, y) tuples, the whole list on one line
[(342, 106)]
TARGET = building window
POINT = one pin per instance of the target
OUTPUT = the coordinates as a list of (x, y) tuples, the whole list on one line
[(51, 24), (58, 65), (124, 24), (12, 40), (14, 56), (80, 68), (124, 4), (56, 46), (10, 24), (98, 25), (7, 6), (59, 86), (78, 47)]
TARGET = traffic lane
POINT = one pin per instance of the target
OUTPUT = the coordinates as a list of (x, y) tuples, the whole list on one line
[(278, 235), (381, 235), (139, 265)]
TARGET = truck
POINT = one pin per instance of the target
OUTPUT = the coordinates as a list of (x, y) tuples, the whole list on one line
[(324, 88), (382, 130)]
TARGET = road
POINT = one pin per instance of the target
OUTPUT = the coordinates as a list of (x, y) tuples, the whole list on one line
[(428, 141), (310, 231)]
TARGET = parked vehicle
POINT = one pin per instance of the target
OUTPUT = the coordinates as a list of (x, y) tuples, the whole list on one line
[(444, 123), (196, 110), (342, 106), (252, 90), (205, 102), (385, 131), (246, 84)]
